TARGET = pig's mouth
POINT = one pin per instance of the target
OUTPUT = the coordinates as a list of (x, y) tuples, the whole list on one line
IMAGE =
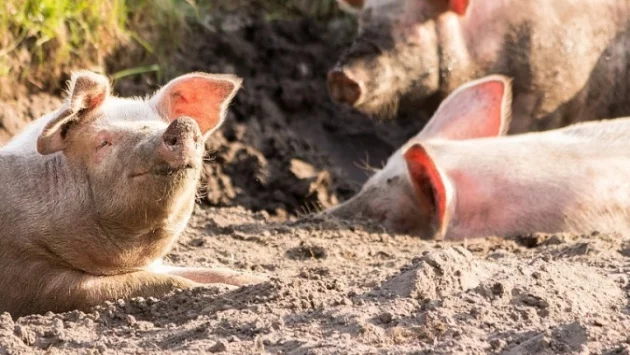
[(164, 171)]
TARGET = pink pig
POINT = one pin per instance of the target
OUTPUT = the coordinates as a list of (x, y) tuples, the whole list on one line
[(568, 58), (96, 193), (461, 177)]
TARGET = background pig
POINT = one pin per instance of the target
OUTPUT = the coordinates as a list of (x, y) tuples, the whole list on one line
[(459, 177), (95, 193), (567, 58)]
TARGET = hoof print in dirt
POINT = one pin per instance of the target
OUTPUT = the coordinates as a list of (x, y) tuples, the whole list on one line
[(566, 338), (439, 273), (567, 245), (527, 299), (539, 239), (306, 251)]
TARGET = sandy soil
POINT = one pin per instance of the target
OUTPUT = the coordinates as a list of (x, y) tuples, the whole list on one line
[(335, 286), (350, 288)]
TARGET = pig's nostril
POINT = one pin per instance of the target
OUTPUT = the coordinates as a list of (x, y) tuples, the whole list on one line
[(343, 88), (171, 141), (181, 131)]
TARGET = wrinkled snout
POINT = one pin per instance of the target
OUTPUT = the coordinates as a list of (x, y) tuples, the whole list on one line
[(393, 208), (356, 209), (181, 142), (345, 86)]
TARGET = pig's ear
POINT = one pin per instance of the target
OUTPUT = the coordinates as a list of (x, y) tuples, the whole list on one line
[(86, 93), (480, 108), (429, 186), (203, 97), (351, 6), (458, 6)]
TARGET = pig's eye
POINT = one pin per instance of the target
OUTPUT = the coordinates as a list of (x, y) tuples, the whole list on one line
[(104, 144)]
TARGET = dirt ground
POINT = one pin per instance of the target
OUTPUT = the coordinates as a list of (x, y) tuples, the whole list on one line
[(335, 286)]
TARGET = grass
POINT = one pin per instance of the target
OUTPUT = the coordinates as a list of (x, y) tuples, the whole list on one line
[(41, 41)]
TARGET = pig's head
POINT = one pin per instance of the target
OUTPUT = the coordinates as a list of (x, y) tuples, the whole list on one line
[(135, 163), (412, 194), (395, 55)]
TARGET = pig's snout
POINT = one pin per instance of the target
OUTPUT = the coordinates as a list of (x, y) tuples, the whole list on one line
[(345, 87), (180, 143)]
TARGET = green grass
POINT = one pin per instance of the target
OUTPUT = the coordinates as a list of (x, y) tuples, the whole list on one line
[(38, 38), (42, 40)]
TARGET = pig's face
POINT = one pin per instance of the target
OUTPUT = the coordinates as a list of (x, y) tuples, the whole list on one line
[(413, 193), (389, 199), (394, 56), (131, 170), (138, 162)]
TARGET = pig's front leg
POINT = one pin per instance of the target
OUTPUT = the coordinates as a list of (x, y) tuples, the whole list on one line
[(66, 290), (207, 275)]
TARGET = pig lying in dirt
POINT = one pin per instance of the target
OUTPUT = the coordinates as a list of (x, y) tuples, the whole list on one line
[(461, 178), (96, 193), (568, 58)]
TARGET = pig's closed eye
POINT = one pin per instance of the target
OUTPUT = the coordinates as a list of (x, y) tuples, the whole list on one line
[(104, 144), (392, 180)]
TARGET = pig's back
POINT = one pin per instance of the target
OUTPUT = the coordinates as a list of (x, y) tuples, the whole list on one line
[(573, 179), (612, 130), (583, 143)]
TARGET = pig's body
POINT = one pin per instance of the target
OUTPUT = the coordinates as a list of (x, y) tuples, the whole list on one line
[(461, 177), (575, 179), (568, 58), (90, 205), (54, 198)]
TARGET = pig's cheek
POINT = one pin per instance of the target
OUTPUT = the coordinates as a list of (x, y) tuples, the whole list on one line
[(398, 225), (375, 213), (101, 155)]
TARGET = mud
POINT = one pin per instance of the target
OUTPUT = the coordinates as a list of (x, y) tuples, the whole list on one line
[(286, 148), (336, 287)]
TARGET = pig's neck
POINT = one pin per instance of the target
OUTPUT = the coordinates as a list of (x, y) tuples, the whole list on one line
[(47, 209), (470, 205), (39, 197), (488, 202), (470, 46), (455, 60), (35, 189)]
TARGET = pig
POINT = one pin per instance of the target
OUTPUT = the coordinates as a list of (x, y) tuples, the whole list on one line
[(463, 177), (95, 194), (568, 58)]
